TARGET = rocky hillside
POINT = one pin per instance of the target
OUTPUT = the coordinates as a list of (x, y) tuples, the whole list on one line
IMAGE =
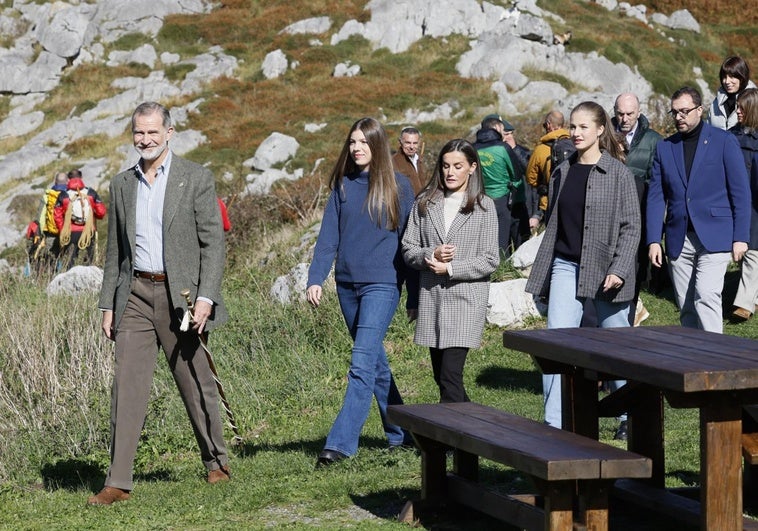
[(73, 71)]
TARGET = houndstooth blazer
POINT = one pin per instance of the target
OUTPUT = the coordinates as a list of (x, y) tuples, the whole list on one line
[(452, 309), (611, 233)]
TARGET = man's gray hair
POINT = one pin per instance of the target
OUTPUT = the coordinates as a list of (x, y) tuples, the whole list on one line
[(150, 107), (409, 131)]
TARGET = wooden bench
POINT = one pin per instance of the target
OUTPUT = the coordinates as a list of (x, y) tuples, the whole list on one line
[(570, 471)]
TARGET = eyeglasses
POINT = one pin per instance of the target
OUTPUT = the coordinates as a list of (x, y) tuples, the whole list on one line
[(674, 113)]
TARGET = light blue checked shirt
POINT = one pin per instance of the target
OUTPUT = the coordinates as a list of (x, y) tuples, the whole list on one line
[(149, 241)]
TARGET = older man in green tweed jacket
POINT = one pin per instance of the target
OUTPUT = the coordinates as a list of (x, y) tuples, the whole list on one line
[(164, 236)]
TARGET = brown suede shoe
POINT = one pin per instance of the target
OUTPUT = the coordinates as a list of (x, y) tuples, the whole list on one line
[(107, 496), (220, 474), (741, 315)]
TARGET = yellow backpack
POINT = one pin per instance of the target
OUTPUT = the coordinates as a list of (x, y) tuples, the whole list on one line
[(48, 223)]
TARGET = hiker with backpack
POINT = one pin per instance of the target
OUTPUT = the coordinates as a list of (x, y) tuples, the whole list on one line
[(42, 233), (554, 147), (75, 213)]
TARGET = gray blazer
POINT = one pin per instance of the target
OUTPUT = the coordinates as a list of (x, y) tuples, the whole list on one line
[(452, 310), (611, 234), (193, 240)]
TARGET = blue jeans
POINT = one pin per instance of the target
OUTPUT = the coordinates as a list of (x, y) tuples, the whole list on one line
[(564, 310), (368, 311)]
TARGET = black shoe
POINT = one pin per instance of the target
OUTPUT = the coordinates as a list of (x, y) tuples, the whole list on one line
[(621, 433), (329, 457)]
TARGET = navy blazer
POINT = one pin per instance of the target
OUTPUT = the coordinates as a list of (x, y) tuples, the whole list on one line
[(715, 198)]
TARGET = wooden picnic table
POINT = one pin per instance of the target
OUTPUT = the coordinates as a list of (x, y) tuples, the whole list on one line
[(715, 373)]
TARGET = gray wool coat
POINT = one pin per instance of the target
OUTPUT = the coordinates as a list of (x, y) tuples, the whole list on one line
[(452, 309), (610, 238)]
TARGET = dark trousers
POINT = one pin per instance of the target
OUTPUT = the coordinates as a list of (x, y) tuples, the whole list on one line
[(447, 365), (503, 225), (519, 231), (146, 324)]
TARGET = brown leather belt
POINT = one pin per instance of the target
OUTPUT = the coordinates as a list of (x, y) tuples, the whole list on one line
[(154, 277)]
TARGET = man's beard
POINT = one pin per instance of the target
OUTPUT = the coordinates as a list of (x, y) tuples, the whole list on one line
[(150, 154)]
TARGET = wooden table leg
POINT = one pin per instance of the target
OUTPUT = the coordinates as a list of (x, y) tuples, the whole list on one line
[(721, 464), (466, 465), (433, 469), (559, 503), (594, 497), (584, 404), (646, 431)]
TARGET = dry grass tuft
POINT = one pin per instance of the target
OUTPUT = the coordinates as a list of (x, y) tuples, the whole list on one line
[(55, 363)]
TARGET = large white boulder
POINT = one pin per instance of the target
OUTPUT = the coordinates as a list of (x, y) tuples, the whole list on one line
[(524, 256), (78, 279), (291, 287), (509, 304), (276, 149), (274, 64), (309, 25)]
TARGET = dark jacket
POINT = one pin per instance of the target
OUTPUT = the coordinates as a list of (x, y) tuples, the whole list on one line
[(749, 144), (641, 151), (417, 177)]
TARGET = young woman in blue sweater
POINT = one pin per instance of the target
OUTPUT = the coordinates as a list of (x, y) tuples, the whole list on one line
[(362, 227)]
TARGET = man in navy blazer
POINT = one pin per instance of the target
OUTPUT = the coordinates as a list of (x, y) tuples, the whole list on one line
[(699, 199)]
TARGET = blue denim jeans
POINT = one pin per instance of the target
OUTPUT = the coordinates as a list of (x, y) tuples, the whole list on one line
[(368, 311), (564, 310)]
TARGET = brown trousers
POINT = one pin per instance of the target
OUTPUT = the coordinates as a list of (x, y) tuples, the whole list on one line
[(146, 325)]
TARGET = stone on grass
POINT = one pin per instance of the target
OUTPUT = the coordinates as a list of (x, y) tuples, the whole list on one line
[(509, 304), (291, 287), (78, 279), (276, 149)]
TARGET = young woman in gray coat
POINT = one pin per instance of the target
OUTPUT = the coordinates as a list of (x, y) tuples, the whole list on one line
[(451, 237), (590, 245)]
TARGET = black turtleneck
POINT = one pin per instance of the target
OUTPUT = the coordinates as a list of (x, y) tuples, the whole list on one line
[(730, 103), (689, 142)]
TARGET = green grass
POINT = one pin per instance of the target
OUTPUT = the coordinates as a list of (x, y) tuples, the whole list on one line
[(283, 368)]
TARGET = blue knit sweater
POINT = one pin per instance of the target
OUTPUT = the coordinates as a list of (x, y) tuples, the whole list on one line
[(366, 252)]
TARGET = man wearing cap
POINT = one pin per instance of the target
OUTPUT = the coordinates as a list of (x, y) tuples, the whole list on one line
[(408, 159), (502, 174)]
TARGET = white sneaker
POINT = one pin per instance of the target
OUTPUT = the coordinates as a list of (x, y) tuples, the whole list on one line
[(640, 313)]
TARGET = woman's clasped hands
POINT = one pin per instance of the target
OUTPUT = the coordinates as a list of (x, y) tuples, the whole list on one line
[(442, 255)]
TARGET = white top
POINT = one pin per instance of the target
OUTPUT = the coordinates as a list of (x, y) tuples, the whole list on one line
[(453, 202)]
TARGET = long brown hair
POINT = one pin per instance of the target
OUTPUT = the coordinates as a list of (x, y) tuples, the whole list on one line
[(748, 102), (435, 189), (607, 141), (382, 199)]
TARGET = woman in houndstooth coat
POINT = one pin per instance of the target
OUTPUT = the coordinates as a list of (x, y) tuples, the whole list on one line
[(590, 244), (451, 237)]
